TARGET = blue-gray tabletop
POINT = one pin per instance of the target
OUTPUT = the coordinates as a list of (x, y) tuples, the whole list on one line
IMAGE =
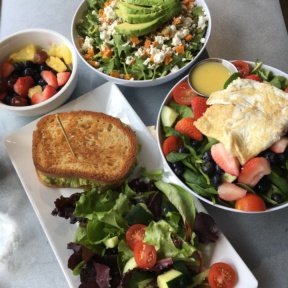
[(249, 30)]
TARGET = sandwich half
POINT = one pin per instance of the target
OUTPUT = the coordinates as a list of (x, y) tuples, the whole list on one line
[(83, 149)]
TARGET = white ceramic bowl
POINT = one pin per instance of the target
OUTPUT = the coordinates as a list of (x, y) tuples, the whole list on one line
[(43, 38), (160, 139), (137, 83)]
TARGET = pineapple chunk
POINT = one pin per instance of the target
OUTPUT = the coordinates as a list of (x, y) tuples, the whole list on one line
[(25, 54), (34, 90), (56, 64), (60, 51)]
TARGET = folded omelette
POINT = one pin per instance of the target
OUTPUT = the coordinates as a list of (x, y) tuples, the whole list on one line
[(247, 117)]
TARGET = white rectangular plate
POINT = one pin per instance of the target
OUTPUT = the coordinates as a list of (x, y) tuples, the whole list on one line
[(107, 99)]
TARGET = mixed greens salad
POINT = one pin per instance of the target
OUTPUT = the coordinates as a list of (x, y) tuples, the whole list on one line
[(191, 160), (152, 55), (173, 234)]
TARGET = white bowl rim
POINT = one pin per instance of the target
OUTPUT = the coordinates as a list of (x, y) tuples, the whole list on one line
[(138, 83), (158, 130), (63, 89)]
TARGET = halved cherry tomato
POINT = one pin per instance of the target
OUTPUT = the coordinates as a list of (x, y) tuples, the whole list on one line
[(250, 203), (242, 67), (171, 143), (145, 255), (222, 275), (183, 94), (135, 234), (253, 77)]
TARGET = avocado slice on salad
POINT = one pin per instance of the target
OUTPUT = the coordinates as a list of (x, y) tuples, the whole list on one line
[(137, 9)]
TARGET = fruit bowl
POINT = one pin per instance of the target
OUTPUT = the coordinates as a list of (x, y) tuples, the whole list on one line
[(131, 66), (185, 158), (30, 61)]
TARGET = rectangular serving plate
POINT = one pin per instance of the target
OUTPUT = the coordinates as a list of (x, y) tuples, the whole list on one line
[(108, 99)]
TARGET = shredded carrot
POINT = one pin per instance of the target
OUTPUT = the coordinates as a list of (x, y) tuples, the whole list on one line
[(115, 74), (177, 20), (180, 49), (127, 76), (188, 37), (106, 52), (147, 43), (89, 54), (94, 63), (135, 40), (168, 58)]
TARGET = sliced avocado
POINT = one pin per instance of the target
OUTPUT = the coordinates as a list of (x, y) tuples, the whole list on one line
[(171, 279), (111, 242), (138, 9), (141, 29), (140, 18), (130, 265), (168, 116), (151, 2)]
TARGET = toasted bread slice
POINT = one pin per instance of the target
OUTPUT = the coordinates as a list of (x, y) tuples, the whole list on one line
[(83, 148)]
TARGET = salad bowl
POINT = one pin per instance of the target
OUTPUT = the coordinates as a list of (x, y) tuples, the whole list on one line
[(272, 189), (41, 39), (137, 72)]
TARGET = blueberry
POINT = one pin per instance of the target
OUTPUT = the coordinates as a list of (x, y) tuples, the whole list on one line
[(194, 143), (28, 64), (208, 167), (218, 169), (207, 156), (271, 157), (44, 67), (42, 82), (18, 66), (277, 197), (216, 179), (178, 168), (182, 149), (263, 185)]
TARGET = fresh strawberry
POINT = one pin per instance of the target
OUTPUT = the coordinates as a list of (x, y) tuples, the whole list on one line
[(224, 159), (253, 170), (23, 84), (280, 146), (187, 128), (50, 78), (6, 69), (199, 106), (171, 144), (231, 192), (49, 91), (38, 98), (63, 77)]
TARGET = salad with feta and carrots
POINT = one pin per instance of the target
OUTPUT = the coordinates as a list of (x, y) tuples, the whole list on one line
[(145, 233), (109, 41), (205, 165)]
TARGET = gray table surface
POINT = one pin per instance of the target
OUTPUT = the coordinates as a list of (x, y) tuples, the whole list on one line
[(247, 29)]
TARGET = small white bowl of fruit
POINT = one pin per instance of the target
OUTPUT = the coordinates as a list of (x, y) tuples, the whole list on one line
[(38, 72)]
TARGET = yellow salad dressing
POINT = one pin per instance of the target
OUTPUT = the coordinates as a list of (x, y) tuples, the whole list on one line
[(209, 77)]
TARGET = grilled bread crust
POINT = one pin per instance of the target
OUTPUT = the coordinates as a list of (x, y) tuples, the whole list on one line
[(84, 144)]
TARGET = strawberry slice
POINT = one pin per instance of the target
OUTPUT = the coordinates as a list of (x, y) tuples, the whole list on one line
[(199, 106), (225, 160), (6, 69), (50, 78), (23, 84), (171, 144), (187, 128), (230, 192), (38, 98), (253, 170), (63, 77), (49, 91), (280, 146)]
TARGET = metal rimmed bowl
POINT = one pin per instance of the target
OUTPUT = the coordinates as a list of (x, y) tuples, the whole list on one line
[(214, 72)]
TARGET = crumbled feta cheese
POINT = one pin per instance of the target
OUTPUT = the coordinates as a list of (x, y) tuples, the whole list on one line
[(88, 42), (202, 21), (202, 40), (174, 69), (159, 57), (176, 40), (140, 52), (129, 60)]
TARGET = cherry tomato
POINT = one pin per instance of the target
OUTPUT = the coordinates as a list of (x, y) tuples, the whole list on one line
[(171, 143), (183, 94), (135, 234), (145, 255), (250, 203), (222, 275), (253, 77), (242, 67)]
